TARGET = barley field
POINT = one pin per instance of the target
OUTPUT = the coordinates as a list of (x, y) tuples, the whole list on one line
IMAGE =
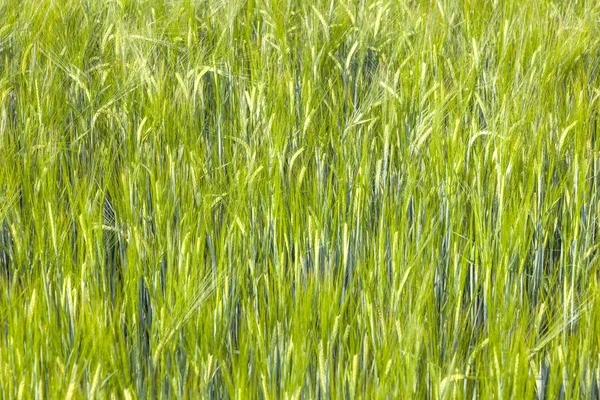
[(285, 199)]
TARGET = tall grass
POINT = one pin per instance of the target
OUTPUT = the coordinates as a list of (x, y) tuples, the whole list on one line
[(299, 199)]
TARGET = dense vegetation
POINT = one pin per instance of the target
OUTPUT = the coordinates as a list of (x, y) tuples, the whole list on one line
[(299, 199)]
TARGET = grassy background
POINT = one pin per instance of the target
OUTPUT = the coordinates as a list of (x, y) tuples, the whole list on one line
[(299, 199)]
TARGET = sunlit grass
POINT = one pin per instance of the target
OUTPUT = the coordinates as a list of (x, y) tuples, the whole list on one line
[(299, 199)]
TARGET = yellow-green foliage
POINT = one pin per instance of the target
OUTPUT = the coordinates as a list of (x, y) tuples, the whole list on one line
[(287, 199)]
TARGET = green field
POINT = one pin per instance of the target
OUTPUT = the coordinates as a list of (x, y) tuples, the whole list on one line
[(285, 199)]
